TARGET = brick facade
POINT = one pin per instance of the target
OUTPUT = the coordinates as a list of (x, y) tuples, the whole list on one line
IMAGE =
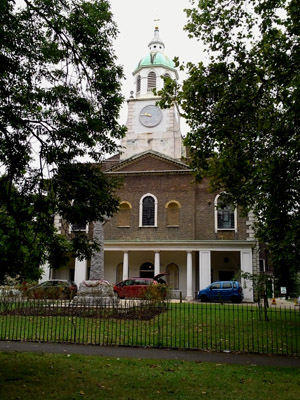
[(168, 181)]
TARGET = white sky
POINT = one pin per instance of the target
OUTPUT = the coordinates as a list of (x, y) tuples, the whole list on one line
[(136, 21)]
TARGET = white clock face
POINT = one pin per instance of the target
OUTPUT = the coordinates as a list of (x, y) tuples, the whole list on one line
[(150, 116)]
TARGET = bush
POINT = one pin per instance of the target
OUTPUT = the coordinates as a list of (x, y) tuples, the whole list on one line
[(157, 293), (55, 293)]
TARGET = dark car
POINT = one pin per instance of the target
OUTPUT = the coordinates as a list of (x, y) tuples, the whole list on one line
[(136, 287), (53, 289), (222, 291)]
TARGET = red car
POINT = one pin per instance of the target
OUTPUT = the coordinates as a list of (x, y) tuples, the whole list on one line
[(136, 287)]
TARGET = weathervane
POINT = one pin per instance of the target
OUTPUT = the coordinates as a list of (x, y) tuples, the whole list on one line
[(156, 20)]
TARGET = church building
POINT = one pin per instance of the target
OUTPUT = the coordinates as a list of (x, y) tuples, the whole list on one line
[(167, 222)]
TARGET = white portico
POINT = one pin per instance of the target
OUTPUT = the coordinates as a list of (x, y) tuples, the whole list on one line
[(195, 261)]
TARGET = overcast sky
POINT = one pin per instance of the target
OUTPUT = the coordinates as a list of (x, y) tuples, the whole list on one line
[(136, 20)]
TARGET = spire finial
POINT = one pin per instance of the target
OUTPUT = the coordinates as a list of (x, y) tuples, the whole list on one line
[(156, 44)]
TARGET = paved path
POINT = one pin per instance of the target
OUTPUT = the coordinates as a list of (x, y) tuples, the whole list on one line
[(149, 353)]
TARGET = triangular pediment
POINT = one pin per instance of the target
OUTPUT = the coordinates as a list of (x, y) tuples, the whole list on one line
[(149, 161)]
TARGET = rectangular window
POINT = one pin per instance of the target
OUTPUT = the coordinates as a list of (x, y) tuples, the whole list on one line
[(78, 227)]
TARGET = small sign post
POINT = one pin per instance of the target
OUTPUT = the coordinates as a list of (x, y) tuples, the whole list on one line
[(282, 290)]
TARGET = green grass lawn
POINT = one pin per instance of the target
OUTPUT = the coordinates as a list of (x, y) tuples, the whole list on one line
[(49, 376)]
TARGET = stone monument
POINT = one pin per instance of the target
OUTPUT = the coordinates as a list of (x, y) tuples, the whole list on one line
[(96, 290), (97, 260)]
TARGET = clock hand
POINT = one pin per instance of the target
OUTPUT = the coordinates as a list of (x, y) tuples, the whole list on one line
[(147, 115)]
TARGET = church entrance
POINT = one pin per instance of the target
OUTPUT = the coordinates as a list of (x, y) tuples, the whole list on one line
[(147, 270)]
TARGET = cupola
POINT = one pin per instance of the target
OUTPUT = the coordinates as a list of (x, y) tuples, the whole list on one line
[(152, 67)]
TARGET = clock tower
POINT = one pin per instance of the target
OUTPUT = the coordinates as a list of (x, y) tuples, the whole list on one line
[(149, 127)]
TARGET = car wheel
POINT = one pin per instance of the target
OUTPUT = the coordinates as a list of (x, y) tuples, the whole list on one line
[(204, 298), (234, 299)]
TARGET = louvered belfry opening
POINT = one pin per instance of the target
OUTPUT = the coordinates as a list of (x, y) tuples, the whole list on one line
[(151, 81), (138, 84)]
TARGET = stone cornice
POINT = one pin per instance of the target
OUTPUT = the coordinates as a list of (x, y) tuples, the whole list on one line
[(179, 245), (148, 153), (158, 172)]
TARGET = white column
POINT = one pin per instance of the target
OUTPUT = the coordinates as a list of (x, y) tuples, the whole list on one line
[(80, 271), (204, 269), (46, 273), (156, 263), (125, 265), (189, 276), (246, 266)]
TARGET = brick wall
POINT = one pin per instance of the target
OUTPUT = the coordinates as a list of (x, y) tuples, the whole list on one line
[(196, 220), (164, 187)]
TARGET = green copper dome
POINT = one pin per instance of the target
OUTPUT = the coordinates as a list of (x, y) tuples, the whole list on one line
[(156, 56), (155, 59)]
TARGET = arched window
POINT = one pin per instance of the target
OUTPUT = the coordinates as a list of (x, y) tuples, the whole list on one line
[(225, 215), (173, 276), (119, 273), (151, 81), (124, 215), (138, 84), (147, 270), (148, 210), (173, 213)]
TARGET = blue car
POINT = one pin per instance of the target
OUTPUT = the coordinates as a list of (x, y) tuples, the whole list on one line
[(222, 291)]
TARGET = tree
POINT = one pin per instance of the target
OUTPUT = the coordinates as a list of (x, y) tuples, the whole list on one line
[(242, 106), (60, 99), (260, 284)]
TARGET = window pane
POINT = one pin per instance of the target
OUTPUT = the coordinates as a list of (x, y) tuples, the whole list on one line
[(148, 211), (78, 227), (226, 218), (216, 286)]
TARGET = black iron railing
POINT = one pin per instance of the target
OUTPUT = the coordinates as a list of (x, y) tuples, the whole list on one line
[(205, 326)]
